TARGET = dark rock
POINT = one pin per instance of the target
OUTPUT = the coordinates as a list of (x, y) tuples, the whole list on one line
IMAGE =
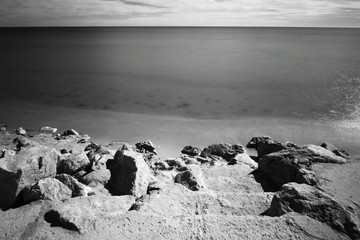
[(175, 163), (254, 142), (192, 178), (23, 169), (76, 187), (269, 146), (92, 146), (284, 166), (146, 146), (160, 165), (102, 176), (20, 131), (187, 179), (191, 151), (63, 151), (337, 151), (46, 189), (130, 175), (223, 150), (72, 163), (81, 213), (312, 202), (70, 132)]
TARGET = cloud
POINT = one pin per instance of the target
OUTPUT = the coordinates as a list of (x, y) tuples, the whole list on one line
[(180, 12)]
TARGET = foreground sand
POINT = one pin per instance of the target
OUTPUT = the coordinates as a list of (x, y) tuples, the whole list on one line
[(230, 205)]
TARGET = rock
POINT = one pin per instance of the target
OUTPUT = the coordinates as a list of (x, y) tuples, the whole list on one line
[(81, 214), (337, 151), (223, 150), (191, 151), (102, 176), (24, 169), (269, 146), (98, 159), (70, 132), (175, 162), (312, 202), (192, 178), (63, 151), (76, 187), (46, 189), (2, 129), (195, 161), (23, 142), (20, 131), (323, 155), (72, 163), (146, 146), (254, 142), (130, 174), (79, 174), (48, 129), (92, 146), (160, 165), (284, 166), (244, 159)]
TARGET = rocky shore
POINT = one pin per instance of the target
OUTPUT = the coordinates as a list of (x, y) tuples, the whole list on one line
[(65, 186)]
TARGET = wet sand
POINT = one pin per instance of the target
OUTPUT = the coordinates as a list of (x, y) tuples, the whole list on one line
[(171, 134)]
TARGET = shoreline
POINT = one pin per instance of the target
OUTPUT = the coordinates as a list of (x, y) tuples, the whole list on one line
[(170, 134)]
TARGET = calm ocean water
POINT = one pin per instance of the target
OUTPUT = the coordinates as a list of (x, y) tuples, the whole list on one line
[(192, 72)]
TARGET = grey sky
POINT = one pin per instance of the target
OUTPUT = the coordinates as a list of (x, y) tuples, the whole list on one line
[(344, 13)]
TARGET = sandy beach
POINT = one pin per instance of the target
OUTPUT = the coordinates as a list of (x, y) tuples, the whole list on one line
[(171, 134)]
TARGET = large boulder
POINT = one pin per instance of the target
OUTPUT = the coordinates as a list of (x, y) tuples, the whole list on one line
[(312, 202), (46, 189), (23, 169), (81, 213), (130, 175), (72, 163), (224, 150), (286, 165)]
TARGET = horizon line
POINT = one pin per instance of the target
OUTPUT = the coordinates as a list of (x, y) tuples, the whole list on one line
[(176, 26)]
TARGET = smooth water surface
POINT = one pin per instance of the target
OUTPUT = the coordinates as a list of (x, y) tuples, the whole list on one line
[(307, 73)]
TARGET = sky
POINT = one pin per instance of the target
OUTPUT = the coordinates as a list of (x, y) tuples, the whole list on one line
[(290, 13)]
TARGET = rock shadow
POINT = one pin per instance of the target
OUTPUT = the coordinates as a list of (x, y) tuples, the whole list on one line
[(266, 183), (54, 219)]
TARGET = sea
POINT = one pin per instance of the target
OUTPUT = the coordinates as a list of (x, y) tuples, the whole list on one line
[(206, 73)]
